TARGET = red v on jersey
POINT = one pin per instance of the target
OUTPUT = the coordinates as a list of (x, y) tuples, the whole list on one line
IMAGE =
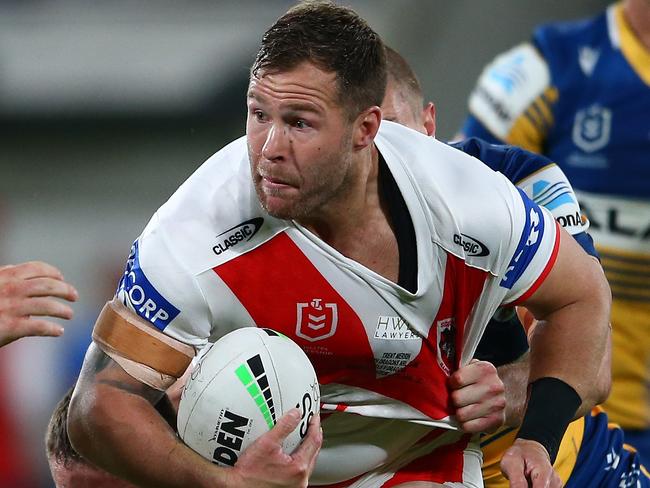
[(282, 289)]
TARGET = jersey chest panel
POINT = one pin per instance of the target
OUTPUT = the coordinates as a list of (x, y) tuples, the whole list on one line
[(367, 337)]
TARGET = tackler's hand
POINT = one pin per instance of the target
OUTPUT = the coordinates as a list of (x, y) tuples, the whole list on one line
[(28, 292)]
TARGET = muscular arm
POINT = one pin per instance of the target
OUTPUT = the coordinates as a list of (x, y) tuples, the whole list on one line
[(112, 423), (572, 308), (515, 380)]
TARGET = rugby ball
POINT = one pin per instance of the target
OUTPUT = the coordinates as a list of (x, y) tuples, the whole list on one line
[(239, 388)]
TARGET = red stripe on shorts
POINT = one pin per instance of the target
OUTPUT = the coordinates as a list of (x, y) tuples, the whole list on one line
[(444, 464)]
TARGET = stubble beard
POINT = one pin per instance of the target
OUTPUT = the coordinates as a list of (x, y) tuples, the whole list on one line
[(322, 187)]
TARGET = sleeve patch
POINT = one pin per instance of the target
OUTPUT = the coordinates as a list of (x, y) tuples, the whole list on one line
[(507, 87), (531, 237), (550, 188), (136, 292)]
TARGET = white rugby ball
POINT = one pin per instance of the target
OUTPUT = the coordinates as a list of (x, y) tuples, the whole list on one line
[(238, 390)]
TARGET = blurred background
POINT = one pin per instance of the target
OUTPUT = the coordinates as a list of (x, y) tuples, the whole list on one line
[(106, 107)]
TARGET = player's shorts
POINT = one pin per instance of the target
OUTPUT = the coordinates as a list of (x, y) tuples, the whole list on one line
[(442, 456), (604, 459)]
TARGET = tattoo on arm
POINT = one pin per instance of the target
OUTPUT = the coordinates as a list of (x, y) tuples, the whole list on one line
[(103, 370)]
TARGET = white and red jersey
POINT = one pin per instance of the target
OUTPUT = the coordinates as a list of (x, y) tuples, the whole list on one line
[(211, 260)]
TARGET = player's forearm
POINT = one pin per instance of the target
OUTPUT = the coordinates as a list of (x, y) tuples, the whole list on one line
[(119, 430), (571, 342), (515, 381)]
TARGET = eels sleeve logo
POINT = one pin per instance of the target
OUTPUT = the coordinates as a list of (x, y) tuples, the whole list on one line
[(137, 293), (531, 237)]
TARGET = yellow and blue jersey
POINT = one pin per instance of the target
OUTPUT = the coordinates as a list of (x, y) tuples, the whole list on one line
[(580, 94), (592, 453), (505, 340)]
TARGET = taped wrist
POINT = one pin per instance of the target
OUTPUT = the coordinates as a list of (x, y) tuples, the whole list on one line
[(551, 407)]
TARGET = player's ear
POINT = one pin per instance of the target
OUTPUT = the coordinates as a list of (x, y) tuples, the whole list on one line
[(365, 127), (429, 119)]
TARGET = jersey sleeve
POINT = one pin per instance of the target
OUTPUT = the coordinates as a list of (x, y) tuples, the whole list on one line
[(530, 258), (541, 179), (513, 98), (156, 286)]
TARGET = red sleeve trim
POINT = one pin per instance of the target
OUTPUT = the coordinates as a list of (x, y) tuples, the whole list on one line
[(545, 273)]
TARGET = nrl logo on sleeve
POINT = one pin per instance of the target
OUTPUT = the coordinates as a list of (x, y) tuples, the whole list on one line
[(243, 232)]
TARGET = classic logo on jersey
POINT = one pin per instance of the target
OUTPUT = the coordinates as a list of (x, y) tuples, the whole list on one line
[(316, 320), (243, 232), (592, 128), (446, 340), (394, 329), (529, 242), (137, 293), (471, 246)]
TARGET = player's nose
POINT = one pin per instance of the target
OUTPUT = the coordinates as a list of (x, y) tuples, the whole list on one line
[(276, 144)]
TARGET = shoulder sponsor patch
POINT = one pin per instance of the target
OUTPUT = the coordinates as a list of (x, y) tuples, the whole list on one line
[(531, 237), (507, 87), (136, 292)]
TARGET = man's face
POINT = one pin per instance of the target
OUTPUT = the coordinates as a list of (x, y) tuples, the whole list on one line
[(299, 141), (397, 108), (80, 475)]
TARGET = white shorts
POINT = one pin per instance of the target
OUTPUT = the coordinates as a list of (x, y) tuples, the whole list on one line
[(361, 452)]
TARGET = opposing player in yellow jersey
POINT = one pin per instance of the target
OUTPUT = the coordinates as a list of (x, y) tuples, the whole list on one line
[(579, 92), (592, 451)]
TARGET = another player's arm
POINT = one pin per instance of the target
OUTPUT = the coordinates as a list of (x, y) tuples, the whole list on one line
[(112, 423), (572, 309), (514, 377)]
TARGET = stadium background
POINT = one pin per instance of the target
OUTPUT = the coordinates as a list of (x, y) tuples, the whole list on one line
[(106, 107)]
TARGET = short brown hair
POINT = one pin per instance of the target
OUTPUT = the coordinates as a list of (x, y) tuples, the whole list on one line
[(335, 39), (401, 73), (57, 442)]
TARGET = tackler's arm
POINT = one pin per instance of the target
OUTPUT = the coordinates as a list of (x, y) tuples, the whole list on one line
[(112, 421)]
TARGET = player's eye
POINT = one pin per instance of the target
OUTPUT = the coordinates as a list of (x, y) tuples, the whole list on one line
[(259, 115), (301, 124)]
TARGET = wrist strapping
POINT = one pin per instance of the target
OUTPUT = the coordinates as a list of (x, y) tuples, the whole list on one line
[(551, 407)]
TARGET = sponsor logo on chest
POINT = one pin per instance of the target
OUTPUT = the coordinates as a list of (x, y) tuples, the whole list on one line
[(394, 329)]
